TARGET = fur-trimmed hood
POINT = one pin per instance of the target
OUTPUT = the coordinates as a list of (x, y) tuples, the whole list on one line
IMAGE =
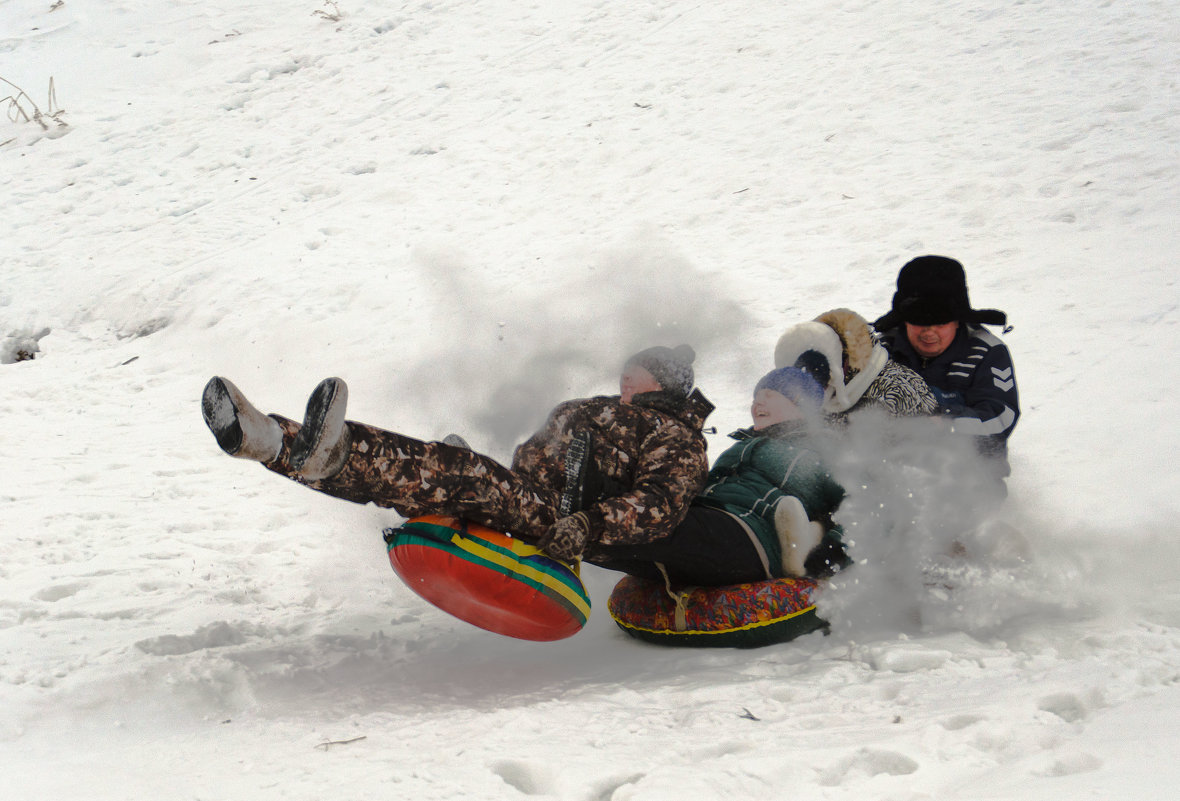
[(839, 349)]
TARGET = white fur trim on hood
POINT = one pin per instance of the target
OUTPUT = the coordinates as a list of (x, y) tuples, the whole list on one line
[(823, 340), (835, 335), (855, 389)]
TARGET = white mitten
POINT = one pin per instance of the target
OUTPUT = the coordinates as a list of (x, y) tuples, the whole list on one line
[(796, 534)]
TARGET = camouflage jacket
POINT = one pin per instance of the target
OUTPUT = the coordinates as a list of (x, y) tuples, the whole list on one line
[(632, 468)]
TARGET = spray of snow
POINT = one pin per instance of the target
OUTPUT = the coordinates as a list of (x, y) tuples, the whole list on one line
[(504, 358), (934, 543)]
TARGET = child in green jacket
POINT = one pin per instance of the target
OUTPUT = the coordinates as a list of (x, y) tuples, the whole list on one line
[(766, 510)]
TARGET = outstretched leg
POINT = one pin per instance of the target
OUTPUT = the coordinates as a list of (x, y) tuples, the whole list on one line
[(709, 548), (364, 464), (416, 478)]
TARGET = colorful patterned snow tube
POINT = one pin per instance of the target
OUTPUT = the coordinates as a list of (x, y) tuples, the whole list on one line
[(738, 616), (489, 579)]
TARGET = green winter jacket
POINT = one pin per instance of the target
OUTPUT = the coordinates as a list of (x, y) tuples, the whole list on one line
[(749, 478)]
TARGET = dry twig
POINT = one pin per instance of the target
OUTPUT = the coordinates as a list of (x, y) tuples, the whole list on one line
[(17, 112), (332, 16)]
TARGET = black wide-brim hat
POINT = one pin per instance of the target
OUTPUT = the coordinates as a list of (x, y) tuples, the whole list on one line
[(932, 290)]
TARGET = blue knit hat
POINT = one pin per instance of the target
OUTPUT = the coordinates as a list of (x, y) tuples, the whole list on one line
[(794, 384)]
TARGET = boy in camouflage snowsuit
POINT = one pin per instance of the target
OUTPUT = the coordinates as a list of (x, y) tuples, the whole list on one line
[(607, 470)]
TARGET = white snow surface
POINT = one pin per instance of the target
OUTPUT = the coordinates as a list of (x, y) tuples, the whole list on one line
[(470, 211)]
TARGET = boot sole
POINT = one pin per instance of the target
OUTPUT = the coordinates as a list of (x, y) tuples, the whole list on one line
[(221, 416), (319, 406)]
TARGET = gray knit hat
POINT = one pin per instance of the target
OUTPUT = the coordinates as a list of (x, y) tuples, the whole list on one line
[(671, 367)]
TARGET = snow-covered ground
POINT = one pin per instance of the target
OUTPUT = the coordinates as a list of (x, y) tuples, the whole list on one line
[(472, 210)]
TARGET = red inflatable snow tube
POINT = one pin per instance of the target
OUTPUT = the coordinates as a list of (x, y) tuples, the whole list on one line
[(489, 579)]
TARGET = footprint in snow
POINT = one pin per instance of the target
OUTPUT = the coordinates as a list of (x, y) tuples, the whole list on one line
[(527, 779), (960, 722), (1068, 765), (718, 750), (1067, 706), (58, 592), (908, 659), (868, 762), (605, 790), (214, 635)]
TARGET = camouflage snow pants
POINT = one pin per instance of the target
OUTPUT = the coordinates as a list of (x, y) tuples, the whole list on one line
[(416, 478)]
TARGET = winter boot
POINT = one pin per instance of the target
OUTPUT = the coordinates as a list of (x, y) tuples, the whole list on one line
[(240, 429), (321, 447), (796, 534)]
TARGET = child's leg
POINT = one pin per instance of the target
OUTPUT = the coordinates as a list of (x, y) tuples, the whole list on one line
[(368, 465), (709, 548), (416, 478)]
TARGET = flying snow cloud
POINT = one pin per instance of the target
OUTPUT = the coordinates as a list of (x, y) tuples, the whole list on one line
[(927, 527), (515, 354)]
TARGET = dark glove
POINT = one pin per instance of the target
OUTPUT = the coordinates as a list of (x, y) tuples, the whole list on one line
[(566, 539), (949, 401)]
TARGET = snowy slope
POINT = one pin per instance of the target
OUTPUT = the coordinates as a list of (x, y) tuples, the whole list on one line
[(472, 210)]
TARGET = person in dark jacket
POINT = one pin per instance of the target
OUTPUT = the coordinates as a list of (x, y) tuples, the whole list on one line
[(766, 509), (618, 469), (932, 329)]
